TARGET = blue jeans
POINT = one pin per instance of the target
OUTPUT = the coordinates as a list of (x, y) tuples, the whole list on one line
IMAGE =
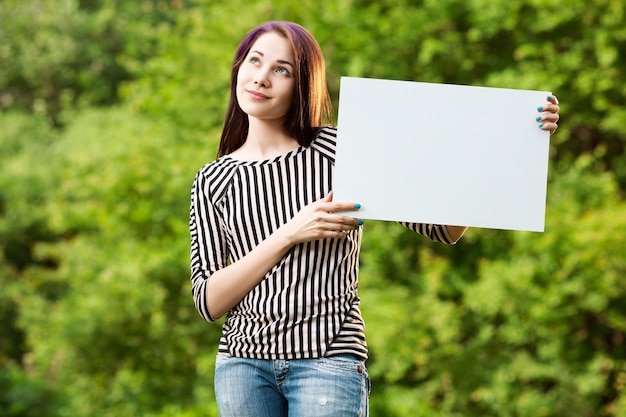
[(337, 386)]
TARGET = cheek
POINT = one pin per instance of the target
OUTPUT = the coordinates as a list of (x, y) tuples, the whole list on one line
[(243, 76), (238, 81), (239, 86), (292, 97)]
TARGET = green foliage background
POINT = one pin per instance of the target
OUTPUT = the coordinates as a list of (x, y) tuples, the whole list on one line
[(108, 109)]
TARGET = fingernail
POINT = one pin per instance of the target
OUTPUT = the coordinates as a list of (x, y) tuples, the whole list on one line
[(538, 118), (541, 125), (549, 98), (361, 222), (357, 205), (540, 108)]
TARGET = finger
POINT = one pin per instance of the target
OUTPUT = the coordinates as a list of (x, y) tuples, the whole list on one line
[(341, 206), (335, 221), (551, 104), (552, 108), (553, 99), (323, 203), (339, 234), (342, 234), (551, 127), (548, 108), (548, 117), (552, 117)]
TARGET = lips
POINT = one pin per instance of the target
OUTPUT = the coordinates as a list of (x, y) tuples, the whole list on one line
[(255, 95)]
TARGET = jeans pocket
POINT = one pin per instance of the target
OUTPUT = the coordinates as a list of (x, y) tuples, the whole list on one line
[(222, 358), (344, 363)]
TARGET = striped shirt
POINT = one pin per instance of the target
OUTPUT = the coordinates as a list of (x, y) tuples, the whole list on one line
[(307, 305)]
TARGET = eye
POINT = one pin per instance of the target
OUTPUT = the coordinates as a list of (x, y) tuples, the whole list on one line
[(254, 60), (283, 71)]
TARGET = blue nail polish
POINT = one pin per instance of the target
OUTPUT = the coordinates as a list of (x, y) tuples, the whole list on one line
[(357, 205), (538, 118), (361, 222), (541, 125), (549, 98), (540, 108)]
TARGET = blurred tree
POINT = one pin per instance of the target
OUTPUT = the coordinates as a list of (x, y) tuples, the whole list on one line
[(63, 54), (23, 396), (95, 309), (110, 296)]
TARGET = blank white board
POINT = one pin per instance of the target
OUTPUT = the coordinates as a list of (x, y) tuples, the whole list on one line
[(441, 153)]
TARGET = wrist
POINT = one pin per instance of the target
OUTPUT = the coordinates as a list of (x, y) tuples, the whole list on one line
[(282, 238)]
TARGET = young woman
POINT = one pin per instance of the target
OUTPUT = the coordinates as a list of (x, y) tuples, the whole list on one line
[(267, 248)]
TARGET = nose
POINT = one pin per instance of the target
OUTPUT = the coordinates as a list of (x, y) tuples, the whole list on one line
[(262, 78), (261, 82)]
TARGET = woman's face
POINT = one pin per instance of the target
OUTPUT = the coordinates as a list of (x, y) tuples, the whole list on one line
[(266, 78)]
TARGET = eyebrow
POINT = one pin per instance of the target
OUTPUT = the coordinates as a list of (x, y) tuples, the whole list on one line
[(280, 61)]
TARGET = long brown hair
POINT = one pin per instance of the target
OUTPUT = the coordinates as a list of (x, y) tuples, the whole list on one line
[(312, 107)]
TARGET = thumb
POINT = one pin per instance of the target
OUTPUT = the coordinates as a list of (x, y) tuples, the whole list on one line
[(328, 198)]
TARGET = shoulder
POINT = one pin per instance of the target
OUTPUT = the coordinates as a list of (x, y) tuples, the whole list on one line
[(326, 142), (215, 177), (218, 168)]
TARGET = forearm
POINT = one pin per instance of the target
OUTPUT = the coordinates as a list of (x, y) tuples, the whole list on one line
[(227, 287), (456, 232), (437, 232)]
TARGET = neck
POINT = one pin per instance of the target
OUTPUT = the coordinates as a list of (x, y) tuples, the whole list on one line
[(265, 140)]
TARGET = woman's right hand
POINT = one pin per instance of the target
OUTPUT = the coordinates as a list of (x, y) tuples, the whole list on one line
[(320, 220)]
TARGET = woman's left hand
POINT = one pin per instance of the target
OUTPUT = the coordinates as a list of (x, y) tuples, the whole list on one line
[(549, 114)]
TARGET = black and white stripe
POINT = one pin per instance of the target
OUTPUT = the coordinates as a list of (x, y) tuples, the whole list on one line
[(307, 305)]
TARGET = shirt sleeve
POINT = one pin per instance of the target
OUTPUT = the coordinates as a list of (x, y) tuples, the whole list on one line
[(435, 232), (209, 251)]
